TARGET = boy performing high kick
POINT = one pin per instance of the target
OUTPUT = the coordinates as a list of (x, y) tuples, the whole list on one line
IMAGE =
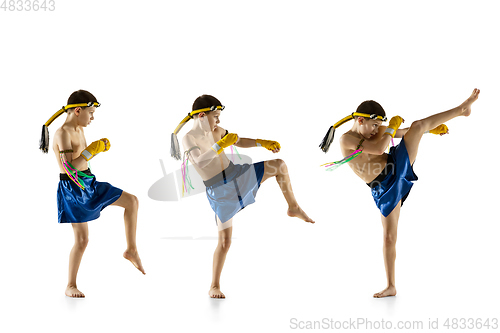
[(229, 187), (80, 197), (390, 175)]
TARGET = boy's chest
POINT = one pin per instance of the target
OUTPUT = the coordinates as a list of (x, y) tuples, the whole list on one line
[(367, 166), (78, 143), (205, 142)]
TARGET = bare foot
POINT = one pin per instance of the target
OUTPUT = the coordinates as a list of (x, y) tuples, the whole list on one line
[(298, 212), (215, 292), (466, 106), (389, 291), (133, 256), (72, 291)]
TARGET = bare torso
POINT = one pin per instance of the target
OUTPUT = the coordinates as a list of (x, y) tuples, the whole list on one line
[(205, 142), (78, 143), (366, 166)]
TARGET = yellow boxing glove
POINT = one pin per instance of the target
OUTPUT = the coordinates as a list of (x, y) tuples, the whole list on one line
[(107, 144), (95, 148), (269, 145), (394, 124), (226, 141), (441, 129)]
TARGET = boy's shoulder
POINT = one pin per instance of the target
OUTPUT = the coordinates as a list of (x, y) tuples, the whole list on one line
[(189, 140), (188, 136), (60, 132), (66, 133), (352, 141), (349, 137), (63, 131), (217, 135)]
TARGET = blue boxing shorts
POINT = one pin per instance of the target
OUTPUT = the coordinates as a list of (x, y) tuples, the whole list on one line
[(234, 188), (394, 183), (76, 205)]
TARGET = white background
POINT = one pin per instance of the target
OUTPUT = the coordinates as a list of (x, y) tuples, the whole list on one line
[(286, 71)]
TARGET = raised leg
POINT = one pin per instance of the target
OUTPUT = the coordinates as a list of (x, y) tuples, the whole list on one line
[(277, 168), (81, 232), (390, 224), (131, 205), (418, 128), (220, 253)]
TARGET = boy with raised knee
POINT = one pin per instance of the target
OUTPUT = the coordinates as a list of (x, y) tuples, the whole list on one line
[(229, 187), (80, 197)]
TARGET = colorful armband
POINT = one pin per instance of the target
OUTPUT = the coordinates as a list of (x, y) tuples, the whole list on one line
[(334, 165), (186, 180), (72, 172)]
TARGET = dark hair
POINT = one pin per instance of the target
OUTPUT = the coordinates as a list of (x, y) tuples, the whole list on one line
[(81, 96), (371, 107), (205, 101)]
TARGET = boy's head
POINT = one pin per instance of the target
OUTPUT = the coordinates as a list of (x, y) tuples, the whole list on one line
[(369, 127), (203, 102), (79, 97), (371, 107), (85, 114), (211, 107), (87, 107), (367, 119)]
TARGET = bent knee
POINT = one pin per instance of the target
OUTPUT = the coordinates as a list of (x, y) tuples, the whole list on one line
[(282, 168), (418, 125), (132, 202), (280, 162)]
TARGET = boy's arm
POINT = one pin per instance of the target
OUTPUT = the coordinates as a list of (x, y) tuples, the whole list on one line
[(195, 155), (246, 143), (63, 142), (242, 142), (399, 133), (273, 146), (375, 146)]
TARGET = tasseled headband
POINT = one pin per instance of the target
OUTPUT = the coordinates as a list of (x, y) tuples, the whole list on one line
[(327, 140), (175, 152), (44, 141)]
